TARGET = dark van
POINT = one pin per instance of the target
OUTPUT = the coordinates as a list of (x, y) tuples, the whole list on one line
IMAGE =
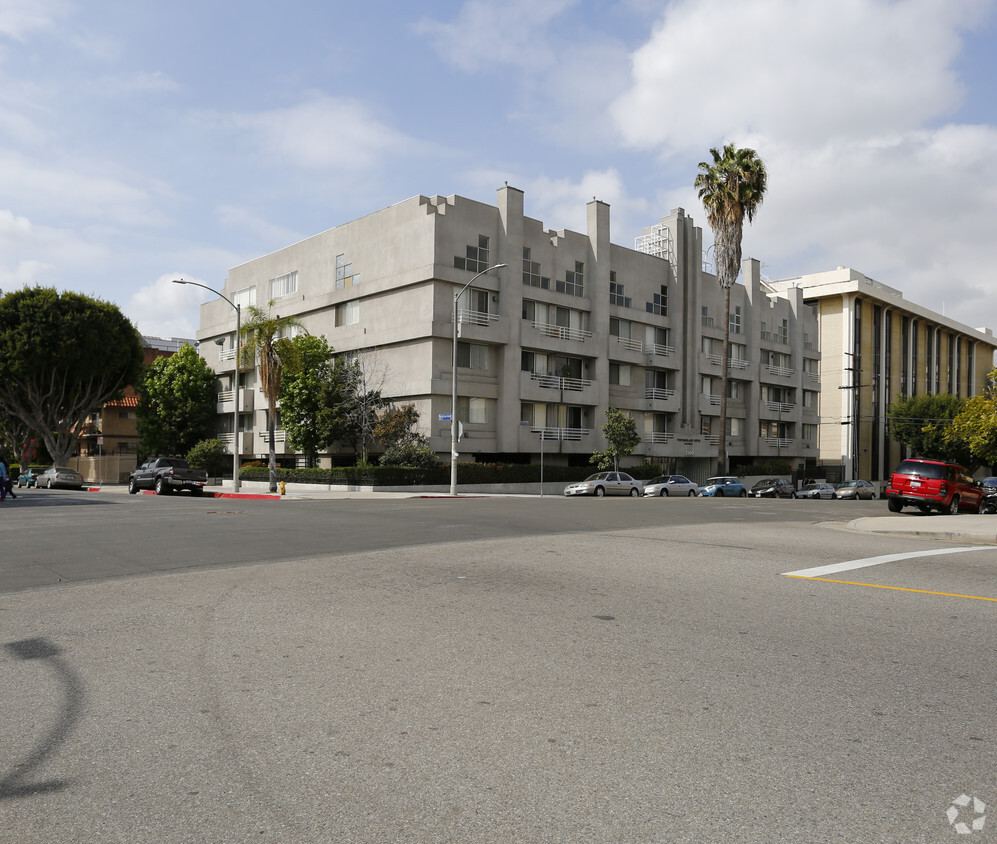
[(933, 486)]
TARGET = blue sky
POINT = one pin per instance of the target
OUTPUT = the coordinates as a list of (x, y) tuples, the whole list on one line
[(145, 141)]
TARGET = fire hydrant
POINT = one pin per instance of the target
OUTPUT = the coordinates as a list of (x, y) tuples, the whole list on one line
[(283, 487)]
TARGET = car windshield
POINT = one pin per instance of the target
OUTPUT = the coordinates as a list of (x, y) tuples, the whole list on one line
[(715, 481), (847, 485), (766, 482), (598, 476), (661, 479)]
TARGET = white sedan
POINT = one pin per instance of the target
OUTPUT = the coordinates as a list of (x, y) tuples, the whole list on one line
[(605, 483), (815, 491), (665, 485)]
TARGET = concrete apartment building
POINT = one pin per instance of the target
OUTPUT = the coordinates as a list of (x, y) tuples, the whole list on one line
[(876, 347), (574, 325)]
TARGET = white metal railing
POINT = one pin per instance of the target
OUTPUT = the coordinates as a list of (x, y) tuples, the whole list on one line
[(780, 406), (713, 439), (660, 349), (713, 399), (226, 395), (658, 393), (659, 437), (779, 370), (814, 376), (735, 363), (630, 345), (279, 436), (557, 382), (778, 442), (226, 354), (561, 332), (468, 317), (562, 434)]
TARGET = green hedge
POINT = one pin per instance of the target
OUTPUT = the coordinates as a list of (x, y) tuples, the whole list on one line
[(467, 473)]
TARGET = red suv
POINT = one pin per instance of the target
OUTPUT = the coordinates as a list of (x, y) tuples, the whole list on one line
[(933, 485)]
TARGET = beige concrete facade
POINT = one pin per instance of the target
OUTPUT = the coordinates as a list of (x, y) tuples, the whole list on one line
[(876, 347), (574, 325)]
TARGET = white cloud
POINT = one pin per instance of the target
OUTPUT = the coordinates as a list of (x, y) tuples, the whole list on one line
[(326, 132), (165, 309), (490, 32), (19, 17), (140, 82)]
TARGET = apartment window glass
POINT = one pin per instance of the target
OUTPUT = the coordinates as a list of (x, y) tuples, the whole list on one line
[(733, 426), (348, 313), (620, 328), (659, 302), (472, 355), (472, 410), (735, 319), (574, 281), (245, 297), (533, 272), (705, 425), (617, 295), (526, 414), (782, 333), (284, 285), (475, 257), (619, 374), (706, 318), (345, 277), (809, 431), (809, 398)]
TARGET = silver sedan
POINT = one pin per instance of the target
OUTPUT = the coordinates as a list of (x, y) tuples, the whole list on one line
[(605, 483), (60, 476), (665, 485)]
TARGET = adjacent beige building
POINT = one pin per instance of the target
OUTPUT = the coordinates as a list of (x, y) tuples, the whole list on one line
[(574, 325)]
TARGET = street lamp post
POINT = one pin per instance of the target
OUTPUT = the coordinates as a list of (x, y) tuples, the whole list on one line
[(238, 331), (453, 391)]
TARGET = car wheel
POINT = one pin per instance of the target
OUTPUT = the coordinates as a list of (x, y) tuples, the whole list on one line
[(161, 487), (599, 492), (633, 492), (982, 509), (894, 505), (742, 494), (49, 483), (954, 506), (663, 494), (692, 493), (132, 486), (198, 490), (719, 494)]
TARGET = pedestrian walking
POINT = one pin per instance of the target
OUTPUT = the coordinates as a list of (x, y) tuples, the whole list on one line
[(4, 479)]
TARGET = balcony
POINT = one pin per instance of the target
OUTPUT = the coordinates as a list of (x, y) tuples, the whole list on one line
[(468, 317), (572, 435), (658, 437), (779, 406), (659, 349), (535, 386), (629, 344), (561, 332), (777, 442), (658, 393), (733, 363), (226, 397), (226, 354), (781, 371), (246, 441)]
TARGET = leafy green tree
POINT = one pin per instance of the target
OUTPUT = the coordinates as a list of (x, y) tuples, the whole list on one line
[(63, 356), (396, 425), (311, 398), (176, 404), (975, 427), (620, 432), (411, 453), (266, 346), (209, 455), (922, 424), (363, 379), (731, 188)]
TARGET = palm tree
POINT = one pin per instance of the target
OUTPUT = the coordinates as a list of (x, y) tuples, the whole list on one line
[(730, 188), (265, 341)]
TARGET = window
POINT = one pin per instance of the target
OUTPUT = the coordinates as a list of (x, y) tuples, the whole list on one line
[(532, 272), (782, 335), (472, 355), (574, 281), (733, 426), (345, 277), (620, 328), (526, 414), (659, 302), (284, 285), (809, 431), (476, 257), (472, 410), (809, 398), (706, 318), (348, 313), (619, 374), (735, 320), (705, 425), (245, 297), (810, 366), (616, 292)]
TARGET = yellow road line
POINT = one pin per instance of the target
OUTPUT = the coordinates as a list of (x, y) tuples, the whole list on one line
[(897, 588)]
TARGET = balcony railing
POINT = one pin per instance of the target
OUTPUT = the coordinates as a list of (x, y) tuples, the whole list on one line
[(778, 442), (735, 363), (659, 437), (557, 382), (279, 436), (226, 395), (780, 406), (562, 434), (630, 345), (226, 354), (780, 370), (561, 332), (468, 317), (658, 393), (712, 399), (660, 349), (713, 439)]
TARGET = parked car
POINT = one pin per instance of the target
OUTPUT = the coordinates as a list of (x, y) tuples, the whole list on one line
[(989, 485), (60, 476), (772, 488), (988, 504), (854, 490), (723, 486), (665, 485), (166, 475), (605, 483), (29, 477), (933, 486), (815, 490)]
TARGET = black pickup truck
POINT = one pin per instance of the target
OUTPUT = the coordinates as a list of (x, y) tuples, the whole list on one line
[(166, 474)]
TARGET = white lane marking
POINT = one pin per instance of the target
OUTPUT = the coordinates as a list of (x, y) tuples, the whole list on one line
[(834, 568)]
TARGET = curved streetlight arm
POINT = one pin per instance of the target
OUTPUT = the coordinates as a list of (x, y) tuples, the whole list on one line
[(235, 392), (453, 385)]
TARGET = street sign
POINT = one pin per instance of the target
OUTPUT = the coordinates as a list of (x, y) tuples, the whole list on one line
[(445, 417)]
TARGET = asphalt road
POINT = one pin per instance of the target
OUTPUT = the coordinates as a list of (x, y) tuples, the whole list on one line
[(489, 669)]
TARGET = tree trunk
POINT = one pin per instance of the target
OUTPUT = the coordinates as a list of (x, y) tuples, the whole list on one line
[(725, 374), (271, 416)]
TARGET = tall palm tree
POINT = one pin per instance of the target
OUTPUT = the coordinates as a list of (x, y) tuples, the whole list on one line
[(731, 188), (265, 341)]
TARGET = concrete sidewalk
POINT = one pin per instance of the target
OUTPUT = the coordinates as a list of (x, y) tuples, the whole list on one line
[(971, 529)]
